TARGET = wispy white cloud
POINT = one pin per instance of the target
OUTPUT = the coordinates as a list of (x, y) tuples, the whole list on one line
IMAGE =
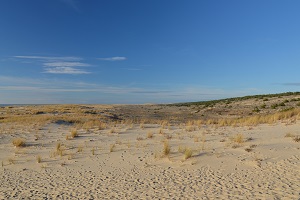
[(66, 64), (65, 70), (51, 58), (59, 65), (117, 58), (18, 88), (291, 84), (132, 69)]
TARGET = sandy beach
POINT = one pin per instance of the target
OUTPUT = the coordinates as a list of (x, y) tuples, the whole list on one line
[(150, 161)]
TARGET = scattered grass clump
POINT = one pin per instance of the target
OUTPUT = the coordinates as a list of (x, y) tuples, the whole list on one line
[(58, 150), (181, 149), (39, 159), (263, 106), (149, 135), (256, 109), (80, 149), (168, 136), (113, 130), (190, 128), (112, 147), (297, 138), (239, 138), (94, 124), (161, 131), (289, 135), (248, 149), (74, 133), (18, 142), (58, 146), (164, 123), (139, 138), (142, 126), (11, 161), (166, 149), (188, 153)]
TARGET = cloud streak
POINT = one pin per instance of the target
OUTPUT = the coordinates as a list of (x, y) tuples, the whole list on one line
[(291, 84), (117, 58), (59, 65), (65, 70), (50, 58), (66, 64)]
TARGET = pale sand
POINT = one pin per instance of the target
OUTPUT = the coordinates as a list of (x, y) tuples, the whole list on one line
[(136, 168)]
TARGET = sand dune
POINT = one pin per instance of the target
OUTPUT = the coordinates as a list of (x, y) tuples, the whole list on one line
[(128, 164)]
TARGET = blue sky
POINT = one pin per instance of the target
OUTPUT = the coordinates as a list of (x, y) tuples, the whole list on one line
[(146, 51)]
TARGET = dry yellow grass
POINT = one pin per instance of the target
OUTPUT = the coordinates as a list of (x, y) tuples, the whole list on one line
[(94, 124), (113, 130), (168, 136), (11, 161), (18, 142), (58, 146), (188, 153), (181, 149), (79, 149), (289, 135), (166, 149), (58, 150), (74, 133), (39, 159), (164, 123), (112, 147), (190, 128), (239, 138), (142, 125), (297, 138), (149, 135), (161, 131), (258, 119)]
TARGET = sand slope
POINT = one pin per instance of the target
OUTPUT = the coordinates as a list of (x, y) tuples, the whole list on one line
[(137, 169)]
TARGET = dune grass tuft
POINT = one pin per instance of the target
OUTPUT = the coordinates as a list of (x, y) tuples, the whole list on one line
[(39, 159), (149, 135), (74, 133), (181, 149), (297, 138), (239, 138), (188, 153), (289, 135), (18, 142), (80, 149), (166, 149), (112, 147), (11, 161), (161, 131)]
